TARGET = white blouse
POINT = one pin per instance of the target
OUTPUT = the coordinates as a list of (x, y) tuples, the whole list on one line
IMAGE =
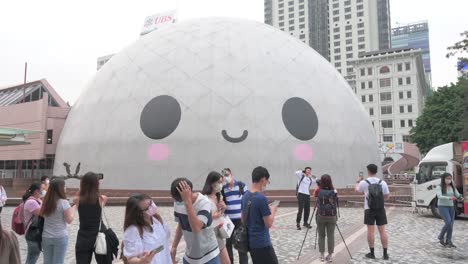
[(135, 245)]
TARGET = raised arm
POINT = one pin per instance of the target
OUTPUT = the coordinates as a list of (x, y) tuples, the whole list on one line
[(195, 222)]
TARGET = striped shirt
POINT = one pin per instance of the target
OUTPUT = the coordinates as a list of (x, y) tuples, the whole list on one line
[(200, 247), (233, 200)]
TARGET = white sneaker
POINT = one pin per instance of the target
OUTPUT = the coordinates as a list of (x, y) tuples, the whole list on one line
[(322, 257), (329, 258)]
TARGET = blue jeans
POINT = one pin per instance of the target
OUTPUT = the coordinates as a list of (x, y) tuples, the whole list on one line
[(216, 260), (34, 250), (54, 249), (448, 214)]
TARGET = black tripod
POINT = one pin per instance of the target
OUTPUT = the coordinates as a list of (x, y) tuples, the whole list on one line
[(316, 231)]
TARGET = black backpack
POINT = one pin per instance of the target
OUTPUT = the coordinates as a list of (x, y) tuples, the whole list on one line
[(375, 198), (240, 236), (327, 203)]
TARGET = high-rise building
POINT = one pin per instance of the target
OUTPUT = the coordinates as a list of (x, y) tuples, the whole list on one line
[(415, 36), (392, 88), (338, 29), (305, 19)]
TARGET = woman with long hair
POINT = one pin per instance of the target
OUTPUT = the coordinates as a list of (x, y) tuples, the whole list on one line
[(146, 236), (9, 248), (326, 216), (447, 194), (90, 205), (212, 189), (57, 213), (31, 209)]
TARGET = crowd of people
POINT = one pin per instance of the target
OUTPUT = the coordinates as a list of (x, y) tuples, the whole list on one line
[(200, 218)]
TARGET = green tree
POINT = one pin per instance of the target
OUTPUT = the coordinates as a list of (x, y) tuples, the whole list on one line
[(460, 47), (443, 119)]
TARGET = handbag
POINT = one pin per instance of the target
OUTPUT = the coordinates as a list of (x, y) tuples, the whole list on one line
[(240, 237), (225, 231), (35, 229), (100, 246)]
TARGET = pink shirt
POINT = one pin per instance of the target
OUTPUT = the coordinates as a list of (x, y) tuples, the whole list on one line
[(30, 206)]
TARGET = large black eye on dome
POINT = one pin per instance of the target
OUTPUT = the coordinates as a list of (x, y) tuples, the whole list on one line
[(160, 117), (299, 118)]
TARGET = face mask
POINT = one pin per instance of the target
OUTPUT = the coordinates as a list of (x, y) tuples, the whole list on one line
[(47, 182), (228, 180), (448, 182), (152, 209), (43, 193), (218, 187)]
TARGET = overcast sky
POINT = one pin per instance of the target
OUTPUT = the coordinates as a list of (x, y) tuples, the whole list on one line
[(61, 40)]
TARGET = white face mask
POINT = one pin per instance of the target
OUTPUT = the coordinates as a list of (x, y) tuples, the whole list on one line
[(43, 193), (217, 187), (152, 209), (448, 182), (47, 182)]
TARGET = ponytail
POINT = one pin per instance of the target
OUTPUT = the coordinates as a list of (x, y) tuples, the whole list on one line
[(29, 192)]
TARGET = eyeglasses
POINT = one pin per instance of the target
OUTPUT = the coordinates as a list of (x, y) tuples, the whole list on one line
[(146, 209)]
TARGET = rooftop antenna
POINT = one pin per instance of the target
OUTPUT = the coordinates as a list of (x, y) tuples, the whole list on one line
[(24, 84)]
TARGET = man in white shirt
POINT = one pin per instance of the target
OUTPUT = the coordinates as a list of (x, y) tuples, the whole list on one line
[(376, 215), (305, 181)]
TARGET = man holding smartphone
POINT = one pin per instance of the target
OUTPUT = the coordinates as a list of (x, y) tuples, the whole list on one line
[(305, 181)]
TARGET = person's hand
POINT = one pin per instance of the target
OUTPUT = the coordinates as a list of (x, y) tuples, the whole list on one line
[(360, 178), (173, 254), (221, 206), (220, 224), (148, 257), (453, 198), (185, 191), (76, 199)]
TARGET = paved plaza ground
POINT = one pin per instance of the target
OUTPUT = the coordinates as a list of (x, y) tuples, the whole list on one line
[(413, 237)]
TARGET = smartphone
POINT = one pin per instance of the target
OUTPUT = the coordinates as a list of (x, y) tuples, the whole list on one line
[(157, 250), (361, 173), (275, 203), (100, 176), (71, 200)]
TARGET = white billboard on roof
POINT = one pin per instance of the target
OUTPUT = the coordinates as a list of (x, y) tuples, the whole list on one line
[(158, 21)]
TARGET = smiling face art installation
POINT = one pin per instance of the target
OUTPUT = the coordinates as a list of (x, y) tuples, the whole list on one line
[(212, 93)]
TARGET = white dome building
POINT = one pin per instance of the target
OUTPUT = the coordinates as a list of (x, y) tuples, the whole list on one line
[(212, 93)]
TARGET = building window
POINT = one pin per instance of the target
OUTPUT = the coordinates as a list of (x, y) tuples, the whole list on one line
[(359, 7), (348, 27), (349, 41), (400, 95), (349, 70), (291, 15), (301, 13), (347, 9), (336, 5), (369, 70), (371, 111), (349, 56), (301, 19), (336, 12), (360, 32), (385, 82), (291, 22), (282, 29), (363, 85), (281, 24), (360, 25), (335, 30), (359, 1), (361, 39), (410, 108), (301, 1), (407, 138), (361, 46), (302, 26), (337, 50), (408, 95), (363, 71), (408, 80), (387, 138), (336, 36), (371, 98), (360, 14), (337, 64), (349, 48), (291, 9), (407, 66), (281, 11), (336, 19), (410, 123), (281, 18), (349, 34), (386, 110), (402, 123), (363, 98), (301, 7), (402, 109), (336, 43), (281, 5), (387, 123), (50, 134), (384, 69), (370, 84), (348, 16), (373, 124), (291, 28), (291, 3), (338, 57), (347, 2), (399, 67), (400, 81), (386, 96)]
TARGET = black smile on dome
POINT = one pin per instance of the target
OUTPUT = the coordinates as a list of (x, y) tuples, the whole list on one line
[(235, 140)]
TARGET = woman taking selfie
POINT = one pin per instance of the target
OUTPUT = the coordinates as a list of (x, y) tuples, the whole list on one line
[(90, 207), (57, 213), (447, 194), (212, 189), (146, 237)]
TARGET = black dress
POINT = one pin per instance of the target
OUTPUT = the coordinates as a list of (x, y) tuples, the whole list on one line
[(90, 218)]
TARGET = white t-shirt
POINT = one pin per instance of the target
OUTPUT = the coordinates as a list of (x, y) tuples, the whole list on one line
[(135, 246), (306, 184), (364, 187)]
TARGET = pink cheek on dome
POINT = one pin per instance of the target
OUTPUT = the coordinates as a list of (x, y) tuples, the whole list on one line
[(158, 152), (303, 152)]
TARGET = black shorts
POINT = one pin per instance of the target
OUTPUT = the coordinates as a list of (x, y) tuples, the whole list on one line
[(372, 217)]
